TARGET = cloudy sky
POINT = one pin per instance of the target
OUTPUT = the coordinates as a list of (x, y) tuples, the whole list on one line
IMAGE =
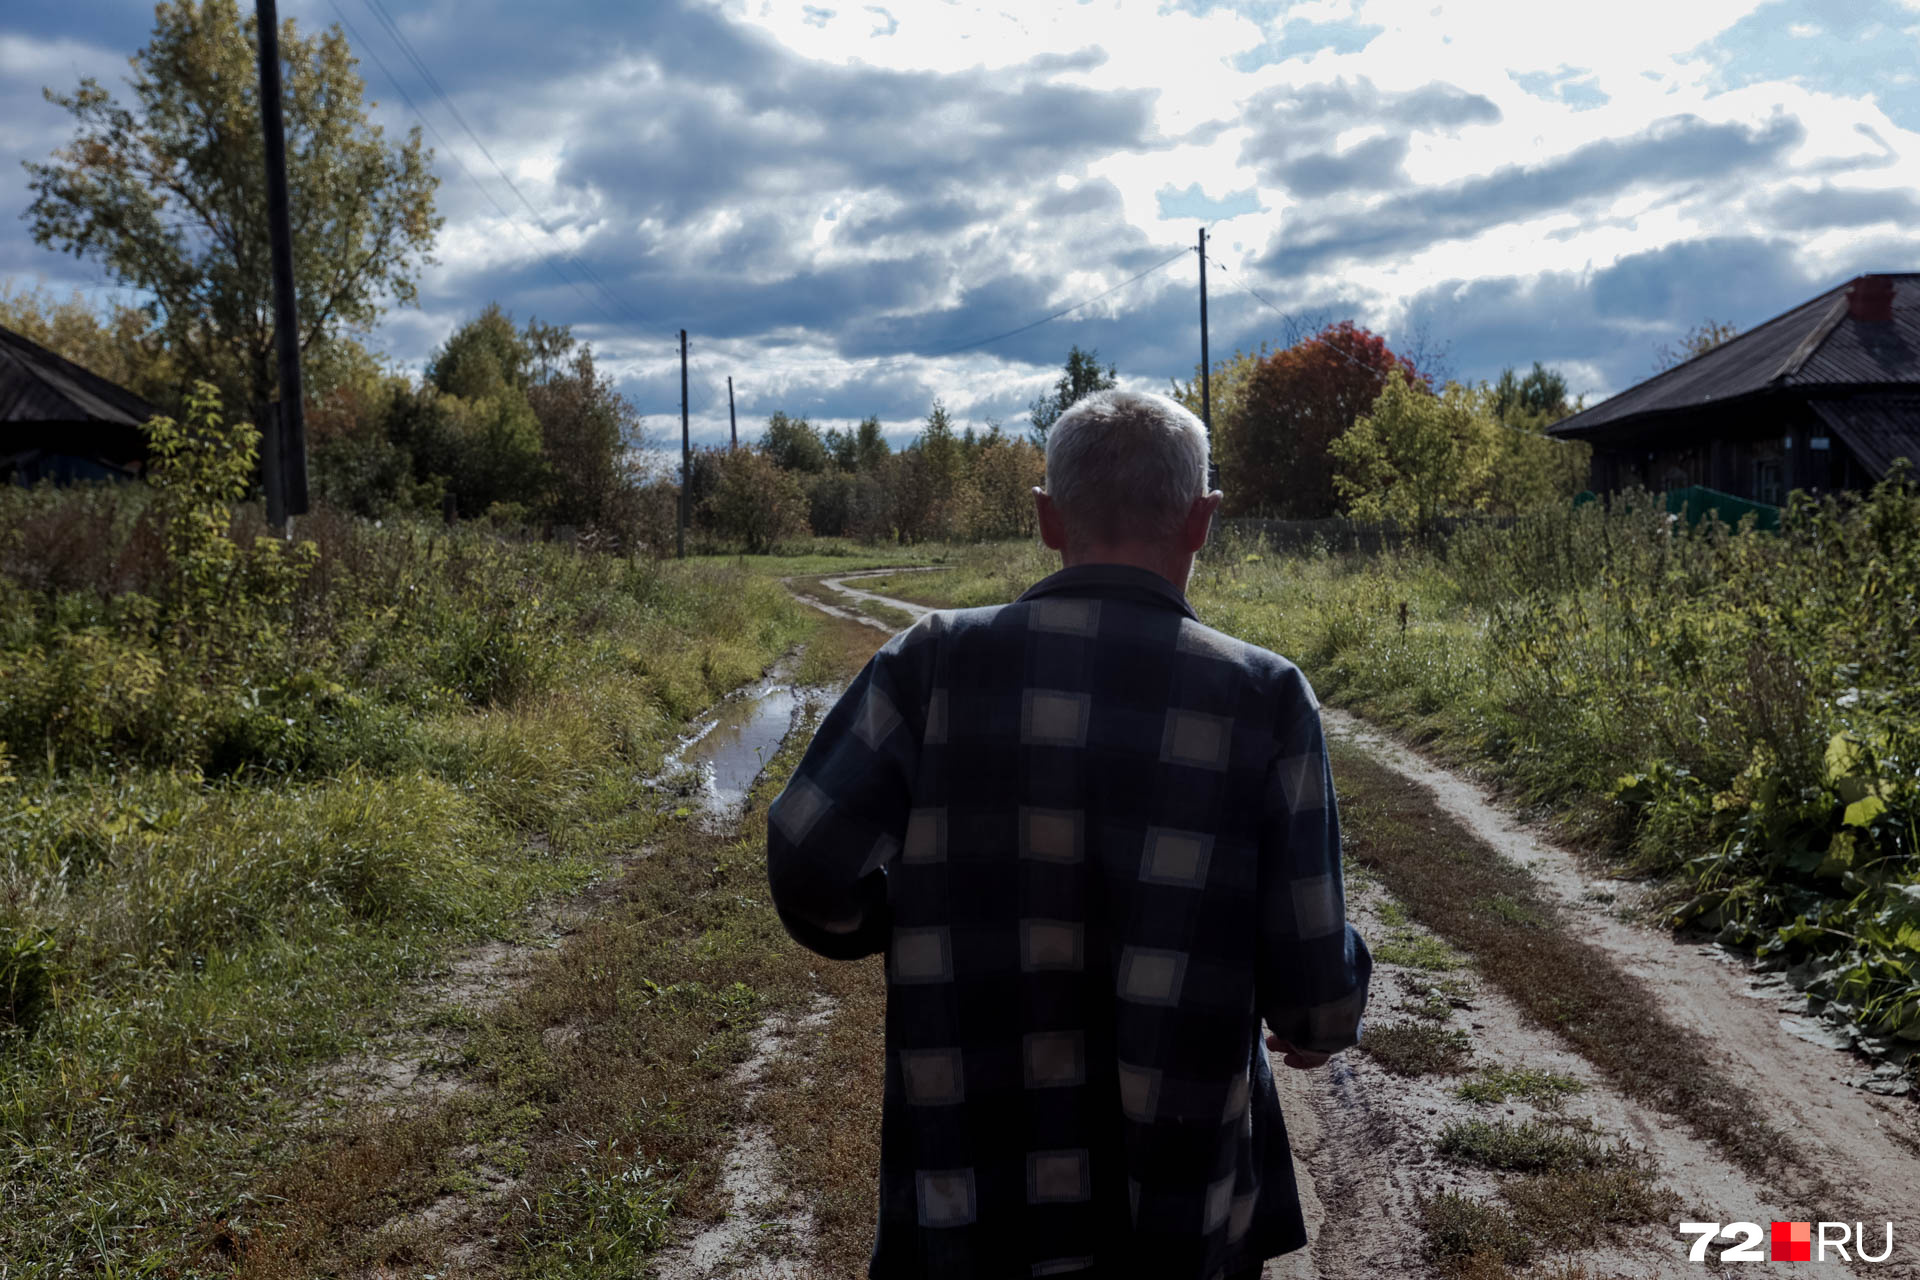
[(839, 200)]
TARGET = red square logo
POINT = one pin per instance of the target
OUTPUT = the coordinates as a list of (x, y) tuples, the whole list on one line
[(1793, 1242)]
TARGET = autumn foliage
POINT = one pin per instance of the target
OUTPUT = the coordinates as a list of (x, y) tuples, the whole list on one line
[(1274, 452)]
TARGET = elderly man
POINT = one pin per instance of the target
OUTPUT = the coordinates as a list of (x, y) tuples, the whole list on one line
[(1097, 842)]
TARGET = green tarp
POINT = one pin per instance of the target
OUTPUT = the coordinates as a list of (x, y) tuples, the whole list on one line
[(1697, 500)]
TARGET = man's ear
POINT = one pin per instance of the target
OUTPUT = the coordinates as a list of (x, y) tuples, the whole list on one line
[(1200, 520), (1053, 527)]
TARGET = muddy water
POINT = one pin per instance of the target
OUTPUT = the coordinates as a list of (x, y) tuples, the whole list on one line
[(727, 749)]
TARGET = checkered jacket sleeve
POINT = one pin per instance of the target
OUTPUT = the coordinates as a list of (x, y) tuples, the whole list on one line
[(1312, 967), (839, 821)]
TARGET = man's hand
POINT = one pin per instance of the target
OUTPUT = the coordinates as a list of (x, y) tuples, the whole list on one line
[(1299, 1059)]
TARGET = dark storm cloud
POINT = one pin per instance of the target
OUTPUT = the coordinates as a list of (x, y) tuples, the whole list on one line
[(1098, 196), (1291, 129), (1830, 206), (1682, 150), (1367, 166), (705, 148), (1614, 318), (920, 217)]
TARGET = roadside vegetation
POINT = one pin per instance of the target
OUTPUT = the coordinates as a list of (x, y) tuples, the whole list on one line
[(1733, 709), (256, 787)]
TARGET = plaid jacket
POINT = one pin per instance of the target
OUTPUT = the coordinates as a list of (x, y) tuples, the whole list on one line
[(1097, 842)]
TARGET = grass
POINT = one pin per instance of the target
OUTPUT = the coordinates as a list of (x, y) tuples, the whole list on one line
[(1494, 1085), (1416, 1048), (1529, 1146), (1578, 1191), (613, 1131), (1467, 1237), (1452, 884), (199, 943)]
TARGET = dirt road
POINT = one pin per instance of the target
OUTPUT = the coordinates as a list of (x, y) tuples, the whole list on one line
[(1367, 1140)]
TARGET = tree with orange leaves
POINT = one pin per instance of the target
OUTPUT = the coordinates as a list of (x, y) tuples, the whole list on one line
[(1274, 451)]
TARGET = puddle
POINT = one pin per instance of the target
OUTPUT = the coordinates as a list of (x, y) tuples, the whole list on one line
[(727, 750)]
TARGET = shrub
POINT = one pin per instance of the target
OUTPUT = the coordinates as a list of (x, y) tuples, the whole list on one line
[(754, 503)]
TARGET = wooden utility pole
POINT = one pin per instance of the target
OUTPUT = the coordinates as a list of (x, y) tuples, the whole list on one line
[(733, 424), (284, 433), (686, 450), (1206, 370)]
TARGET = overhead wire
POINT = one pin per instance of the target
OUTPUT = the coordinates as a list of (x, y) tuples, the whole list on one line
[(511, 221), (385, 18)]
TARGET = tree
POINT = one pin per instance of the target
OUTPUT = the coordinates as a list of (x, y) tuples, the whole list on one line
[(1274, 450), (589, 433), (754, 502), (1005, 471), (1228, 391), (793, 444), (169, 195), (1414, 456), (473, 426), (120, 345), (842, 449), (1697, 341), (1535, 401), (1531, 467), (870, 447), (1081, 377)]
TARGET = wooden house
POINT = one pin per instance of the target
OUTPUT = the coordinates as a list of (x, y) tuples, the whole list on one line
[(1824, 397), (60, 422)]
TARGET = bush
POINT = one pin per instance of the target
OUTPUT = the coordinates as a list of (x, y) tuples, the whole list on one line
[(754, 504), (1737, 707)]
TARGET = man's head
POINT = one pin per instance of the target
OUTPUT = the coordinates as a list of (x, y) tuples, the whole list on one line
[(1127, 483)]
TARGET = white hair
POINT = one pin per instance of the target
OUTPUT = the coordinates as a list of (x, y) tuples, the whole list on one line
[(1126, 466)]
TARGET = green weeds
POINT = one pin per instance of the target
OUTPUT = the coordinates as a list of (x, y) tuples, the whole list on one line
[(1416, 1048), (251, 794), (1492, 1085), (1734, 707)]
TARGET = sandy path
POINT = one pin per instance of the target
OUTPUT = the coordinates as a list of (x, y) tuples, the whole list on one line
[(763, 1216), (1363, 1139), (1865, 1146), (1364, 1144)]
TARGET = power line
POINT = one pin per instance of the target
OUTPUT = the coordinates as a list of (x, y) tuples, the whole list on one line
[(407, 50), (511, 221)]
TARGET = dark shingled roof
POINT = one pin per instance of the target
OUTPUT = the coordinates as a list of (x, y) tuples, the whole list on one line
[(37, 386), (1877, 426), (1815, 347)]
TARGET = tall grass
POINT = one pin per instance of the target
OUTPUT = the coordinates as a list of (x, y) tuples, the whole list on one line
[(1738, 708), (227, 839)]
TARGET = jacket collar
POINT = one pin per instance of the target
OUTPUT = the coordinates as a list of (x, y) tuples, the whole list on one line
[(1113, 582)]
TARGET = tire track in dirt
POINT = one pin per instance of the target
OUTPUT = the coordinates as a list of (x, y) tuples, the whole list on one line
[(417, 1061), (1864, 1146), (1364, 1139)]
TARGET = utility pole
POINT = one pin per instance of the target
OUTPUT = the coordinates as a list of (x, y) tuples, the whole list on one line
[(1206, 370), (686, 450), (284, 459), (733, 424)]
